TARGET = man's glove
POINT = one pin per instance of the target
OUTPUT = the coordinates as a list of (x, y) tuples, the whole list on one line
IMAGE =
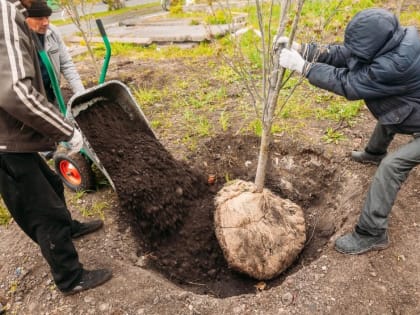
[(281, 41), (76, 142), (292, 60)]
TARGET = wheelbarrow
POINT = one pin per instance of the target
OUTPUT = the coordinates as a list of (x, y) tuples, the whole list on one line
[(114, 92), (76, 170)]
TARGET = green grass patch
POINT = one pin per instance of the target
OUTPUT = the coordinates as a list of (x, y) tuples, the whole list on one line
[(341, 111), (88, 210), (154, 51), (333, 136), (410, 17), (147, 97), (212, 18), (94, 210), (224, 120), (5, 216), (226, 74), (201, 102), (219, 17)]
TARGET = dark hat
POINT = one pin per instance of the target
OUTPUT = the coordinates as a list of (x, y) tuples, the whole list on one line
[(39, 8)]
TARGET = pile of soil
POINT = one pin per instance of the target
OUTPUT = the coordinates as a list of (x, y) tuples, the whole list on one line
[(151, 185), (170, 205)]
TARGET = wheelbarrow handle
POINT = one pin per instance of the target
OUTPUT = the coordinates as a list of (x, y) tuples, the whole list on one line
[(51, 73), (108, 50), (101, 27)]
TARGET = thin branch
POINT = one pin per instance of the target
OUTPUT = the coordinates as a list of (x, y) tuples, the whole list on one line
[(264, 57), (272, 105), (399, 7), (247, 81), (333, 13)]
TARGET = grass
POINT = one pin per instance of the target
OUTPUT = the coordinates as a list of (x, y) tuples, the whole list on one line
[(147, 97), (341, 111), (5, 216), (96, 209), (332, 136), (410, 17), (154, 52), (226, 74), (321, 20), (224, 120), (213, 18)]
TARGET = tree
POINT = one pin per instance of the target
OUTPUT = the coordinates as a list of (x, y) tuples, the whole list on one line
[(260, 233), (79, 13), (273, 76)]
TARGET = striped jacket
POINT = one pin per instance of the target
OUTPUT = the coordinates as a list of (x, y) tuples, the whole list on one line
[(28, 122)]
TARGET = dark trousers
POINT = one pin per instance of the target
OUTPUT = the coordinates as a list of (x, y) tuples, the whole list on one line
[(380, 139), (390, 175), (34, 195)]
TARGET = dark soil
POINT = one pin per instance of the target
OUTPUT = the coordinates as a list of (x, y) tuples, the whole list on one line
[(150, 183), (184, 272), (170, 205)]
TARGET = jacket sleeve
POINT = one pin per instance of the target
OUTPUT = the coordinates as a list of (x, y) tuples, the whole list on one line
[(19, 70), (67, 67), (365, 82), (335, 55)]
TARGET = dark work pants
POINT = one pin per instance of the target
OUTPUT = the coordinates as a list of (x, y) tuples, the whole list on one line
[(391, 173), (380, 140), (34, 195)]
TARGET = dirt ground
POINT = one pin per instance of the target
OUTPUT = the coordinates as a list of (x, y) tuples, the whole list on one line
[(183, 271)]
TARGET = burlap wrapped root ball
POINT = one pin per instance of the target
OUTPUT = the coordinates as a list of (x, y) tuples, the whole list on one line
[(260, 234)]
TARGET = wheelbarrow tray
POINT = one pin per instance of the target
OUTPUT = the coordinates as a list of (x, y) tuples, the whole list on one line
[(112, 91)]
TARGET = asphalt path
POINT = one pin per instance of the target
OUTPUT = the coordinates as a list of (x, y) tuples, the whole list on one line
[(150, 25), (70, 29)]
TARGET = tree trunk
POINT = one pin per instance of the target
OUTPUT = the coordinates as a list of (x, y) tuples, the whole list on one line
[(275, 83)]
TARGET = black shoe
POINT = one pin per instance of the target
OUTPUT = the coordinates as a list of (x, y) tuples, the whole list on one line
[(90, 279), (355, 243), (365, 157), (87, 227)]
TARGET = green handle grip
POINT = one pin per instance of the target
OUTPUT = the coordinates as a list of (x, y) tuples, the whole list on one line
[(54, 82), (107, 53), (51, 73)]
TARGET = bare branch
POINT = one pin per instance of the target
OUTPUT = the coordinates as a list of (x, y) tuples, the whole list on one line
[(83, 21)]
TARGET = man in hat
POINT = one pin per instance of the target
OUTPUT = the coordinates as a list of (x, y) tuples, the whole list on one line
[(379, 63), (39, 21), (49, 37), (32, 192)]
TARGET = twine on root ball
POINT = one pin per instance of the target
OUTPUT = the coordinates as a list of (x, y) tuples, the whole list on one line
[(260, 233)]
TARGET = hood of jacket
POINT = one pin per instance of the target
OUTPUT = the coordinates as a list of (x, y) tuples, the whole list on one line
[(372, 33)]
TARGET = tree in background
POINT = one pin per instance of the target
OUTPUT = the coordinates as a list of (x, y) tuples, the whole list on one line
[(80, 13)]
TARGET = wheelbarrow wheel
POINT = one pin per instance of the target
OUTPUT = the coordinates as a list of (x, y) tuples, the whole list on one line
[(75, 171)]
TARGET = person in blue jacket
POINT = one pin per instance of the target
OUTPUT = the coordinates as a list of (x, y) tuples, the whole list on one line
[(379, 62)]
